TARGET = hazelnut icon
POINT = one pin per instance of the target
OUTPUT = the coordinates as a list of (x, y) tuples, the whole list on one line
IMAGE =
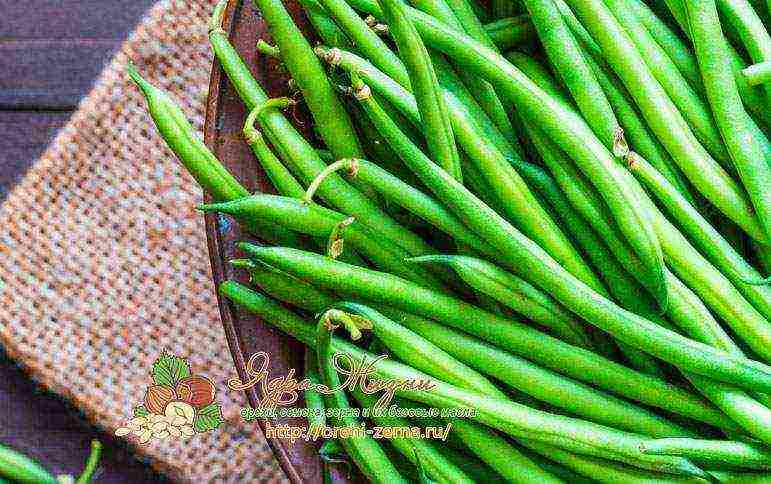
[(198, 391), (157, 397)]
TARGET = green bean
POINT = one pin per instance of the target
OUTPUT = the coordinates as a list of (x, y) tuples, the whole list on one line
[(709, 241), (753, 98), (721, 452), (318, 221), (576, 296), (460, 16), (510, 32), (555, 468), (431, 105), (636, 130), (603, 470), (516, 199), (516, 294), (286, 184), (314, 402), (364, 451), (414, 200), (759, 73), (565, 125), (199, 161), (689, 313), (520, 374), (502, 456), (89, 470), (664, 118), (694, 110), (434, 462), (300, 155), (566, 58), (20, 468), (739, 15), (424, 356), (502, 332), (514, 419), (594, 211), (367, 42), (332, 121), (747, 152), (327, 29), (677, 50)]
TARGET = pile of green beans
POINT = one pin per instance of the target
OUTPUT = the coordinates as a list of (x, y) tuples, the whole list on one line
[(557, 212)]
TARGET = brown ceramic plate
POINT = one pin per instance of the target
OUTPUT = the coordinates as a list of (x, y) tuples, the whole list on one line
[(225, 115)]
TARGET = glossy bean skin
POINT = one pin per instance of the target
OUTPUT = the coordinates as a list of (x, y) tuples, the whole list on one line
[(721, 452), (332, 120), (709, 241), (514, 419), (693, 108), (406, 196), (516, 200), (517, 373), (752, 97), (505, 460), (320, 222), (423, 355), (757, 74), (299, 155), (197, 159), (425, 86), (749, 157), (516, 294), (20, 468), (572, 293), (665, 120), (564, 125)]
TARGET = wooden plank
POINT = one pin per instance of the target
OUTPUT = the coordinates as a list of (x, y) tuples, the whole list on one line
[(25, 135), (50, 74), (66, 19)]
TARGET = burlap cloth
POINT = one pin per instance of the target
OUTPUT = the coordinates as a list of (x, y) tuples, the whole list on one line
[(105, 263)]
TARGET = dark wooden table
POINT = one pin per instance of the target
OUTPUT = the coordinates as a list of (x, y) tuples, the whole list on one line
[(50, 53)]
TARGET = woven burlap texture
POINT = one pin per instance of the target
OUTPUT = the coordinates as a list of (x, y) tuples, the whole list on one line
[(105, 262)]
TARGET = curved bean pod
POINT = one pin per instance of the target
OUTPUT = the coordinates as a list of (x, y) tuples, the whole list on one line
[(418, 451), (300, 155), (365, 451), (665, 120), (198, 160), (406, 196), (694, 110), (514, 419), (710, 242), (318, 221), (514, 293), (332, 120), (747, 152), (286, 184), (567, 127), (433, 110), (721, 452), (520, 374)]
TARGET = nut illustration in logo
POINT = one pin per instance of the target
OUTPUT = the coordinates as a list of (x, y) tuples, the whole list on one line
[(176, 406)]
